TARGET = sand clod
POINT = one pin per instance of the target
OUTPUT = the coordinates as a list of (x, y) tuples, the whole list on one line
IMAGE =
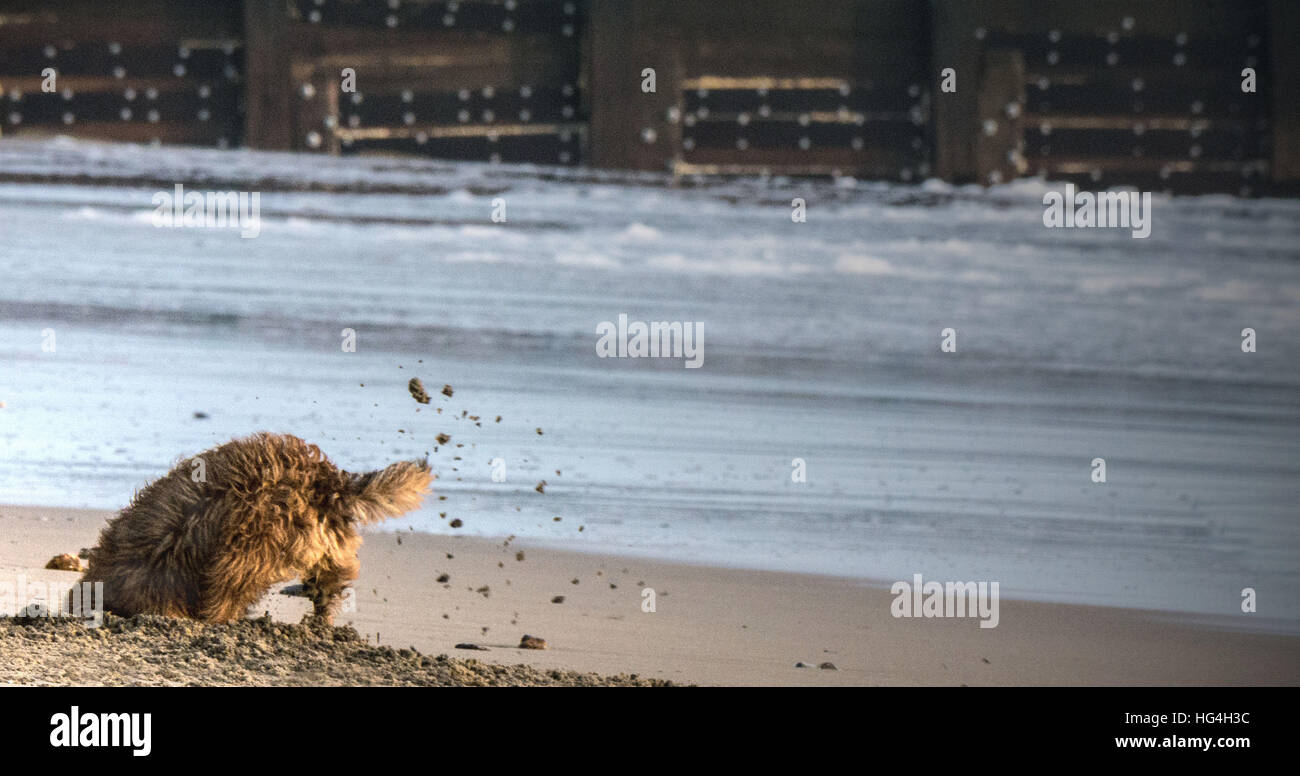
[(65, 562), (417, 390)]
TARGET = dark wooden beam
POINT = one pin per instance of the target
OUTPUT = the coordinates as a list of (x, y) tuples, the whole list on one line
[(1284, 26), (632, 129), (999, 139), (270, 89), (954, 43)]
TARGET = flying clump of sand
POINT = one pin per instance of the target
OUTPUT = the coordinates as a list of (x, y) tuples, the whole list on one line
[(415, 386), (151, 650), (417, 390)]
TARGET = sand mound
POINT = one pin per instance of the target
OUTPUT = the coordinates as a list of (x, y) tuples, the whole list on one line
[(150, 650)]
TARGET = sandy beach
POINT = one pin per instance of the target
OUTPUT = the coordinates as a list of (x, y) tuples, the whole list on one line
[(710, 625)]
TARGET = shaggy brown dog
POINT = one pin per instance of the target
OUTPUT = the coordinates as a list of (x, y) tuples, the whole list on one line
[(266, 509)]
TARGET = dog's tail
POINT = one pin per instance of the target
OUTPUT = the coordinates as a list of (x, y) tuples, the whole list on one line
[(391, 491)]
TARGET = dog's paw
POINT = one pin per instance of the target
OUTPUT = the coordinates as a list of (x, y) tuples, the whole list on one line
[(318, 620)]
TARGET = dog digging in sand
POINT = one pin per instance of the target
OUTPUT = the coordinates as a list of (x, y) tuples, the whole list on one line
[(267, 508)]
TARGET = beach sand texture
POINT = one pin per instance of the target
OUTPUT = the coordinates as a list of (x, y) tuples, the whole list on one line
[(710, 626)]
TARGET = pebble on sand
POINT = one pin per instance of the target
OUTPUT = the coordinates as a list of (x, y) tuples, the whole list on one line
[(532, 642), (446, 390)]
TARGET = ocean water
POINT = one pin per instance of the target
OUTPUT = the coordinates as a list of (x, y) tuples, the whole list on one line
[(821, 342)]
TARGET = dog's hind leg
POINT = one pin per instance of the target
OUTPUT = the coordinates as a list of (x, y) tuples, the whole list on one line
[(325, 583), (234, 583)]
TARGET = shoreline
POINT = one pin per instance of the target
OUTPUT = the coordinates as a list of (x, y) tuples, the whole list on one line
[(715, 625), (1261, 625)]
